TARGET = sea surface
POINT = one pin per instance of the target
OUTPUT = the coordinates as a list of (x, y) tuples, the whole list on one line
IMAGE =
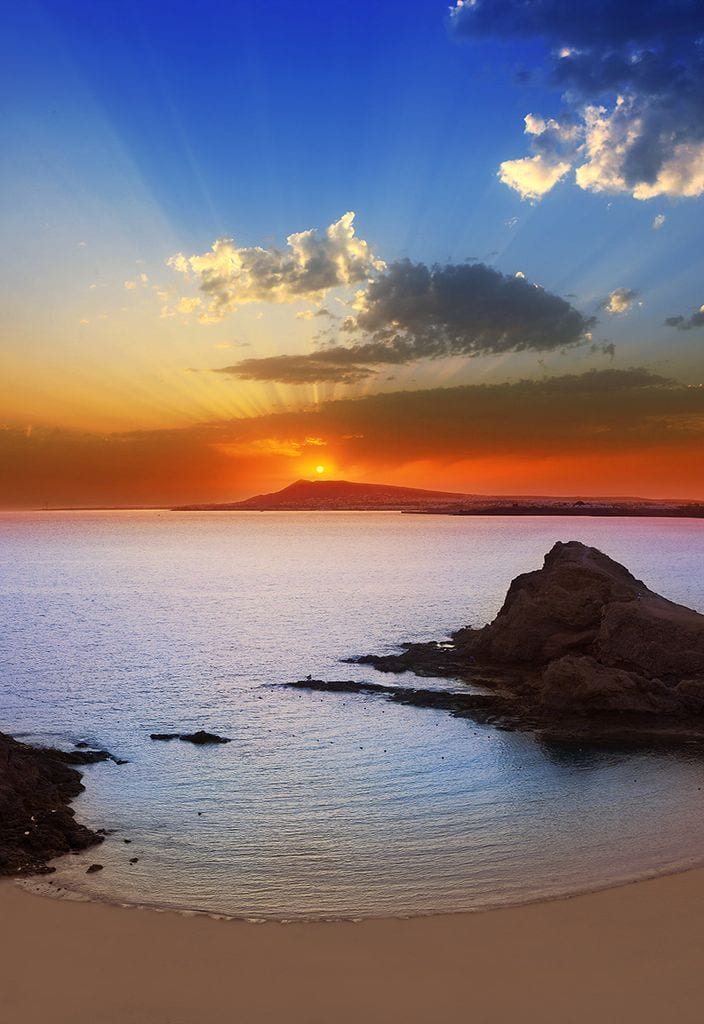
[(114, 625)]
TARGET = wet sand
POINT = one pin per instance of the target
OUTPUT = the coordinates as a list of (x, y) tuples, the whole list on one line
[(630, 954)]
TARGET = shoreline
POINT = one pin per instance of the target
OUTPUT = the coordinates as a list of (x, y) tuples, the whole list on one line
[(41, 886), (631, 952)]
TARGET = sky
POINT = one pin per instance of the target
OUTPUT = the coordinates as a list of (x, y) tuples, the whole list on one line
[(448, 246)]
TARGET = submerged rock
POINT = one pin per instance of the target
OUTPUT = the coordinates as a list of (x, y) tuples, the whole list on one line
[(201, 737), (85, 756)]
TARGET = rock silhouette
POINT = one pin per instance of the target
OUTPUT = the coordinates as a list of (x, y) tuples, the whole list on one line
[(200, 737), (601, 640), (581, 651), (36, 787)]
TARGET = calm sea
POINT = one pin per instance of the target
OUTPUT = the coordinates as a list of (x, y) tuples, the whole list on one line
[(115, 625)]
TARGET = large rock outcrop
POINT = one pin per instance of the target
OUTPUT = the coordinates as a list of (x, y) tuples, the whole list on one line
[(600, 639), (579, 636)]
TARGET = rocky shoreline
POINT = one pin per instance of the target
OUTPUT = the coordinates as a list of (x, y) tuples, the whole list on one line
[(511, 714), (37, 785), (580, 652)]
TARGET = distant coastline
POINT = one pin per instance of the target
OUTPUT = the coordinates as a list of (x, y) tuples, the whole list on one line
[(346, 496), (349, 496)]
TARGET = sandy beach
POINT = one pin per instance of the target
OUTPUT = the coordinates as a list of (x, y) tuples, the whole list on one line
[(632, 953)]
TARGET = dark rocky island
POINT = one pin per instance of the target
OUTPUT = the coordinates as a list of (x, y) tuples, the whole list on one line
[(37, 822), (581, 651)]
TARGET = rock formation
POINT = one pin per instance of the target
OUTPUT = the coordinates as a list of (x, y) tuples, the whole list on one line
[(36, 821), (599, 639), (200, 738), (580, 647)]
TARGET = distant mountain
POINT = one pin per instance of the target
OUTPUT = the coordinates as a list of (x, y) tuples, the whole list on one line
[(341, 495), (344, 496)]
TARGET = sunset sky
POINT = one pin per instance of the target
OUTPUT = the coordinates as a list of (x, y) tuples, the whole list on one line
[(453, 247)]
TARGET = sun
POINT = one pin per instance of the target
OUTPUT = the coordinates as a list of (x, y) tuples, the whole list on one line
[(319, 470)]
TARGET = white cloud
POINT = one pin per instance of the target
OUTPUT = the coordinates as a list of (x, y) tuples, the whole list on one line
[(532, 176), (535, 125), (597, 148), (681, 175), (230, 275), (658, 221)]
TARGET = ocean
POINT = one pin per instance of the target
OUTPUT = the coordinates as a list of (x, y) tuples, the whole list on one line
[(118, 624)]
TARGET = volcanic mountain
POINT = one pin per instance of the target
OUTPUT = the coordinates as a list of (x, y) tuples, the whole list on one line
[(341, 495)]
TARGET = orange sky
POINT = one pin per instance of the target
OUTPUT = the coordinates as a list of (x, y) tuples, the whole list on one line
[(604, 432)]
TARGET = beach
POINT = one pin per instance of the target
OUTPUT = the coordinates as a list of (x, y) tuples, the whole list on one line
[(631, 953)]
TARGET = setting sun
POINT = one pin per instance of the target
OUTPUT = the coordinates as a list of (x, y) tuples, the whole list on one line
[(319, 470)]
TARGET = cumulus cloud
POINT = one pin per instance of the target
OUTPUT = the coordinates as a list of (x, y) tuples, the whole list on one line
[(412, 311), (632, 79), (687, 323), (619, 301), (533, 176), (229, 275)]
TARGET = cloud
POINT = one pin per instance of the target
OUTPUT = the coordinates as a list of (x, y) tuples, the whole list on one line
[(658, 221), (412, 312), (632, 80), (687, 323), (230, 275), (600, 23), (311, 314), (532, 176), (335, 365), (140, 281), (619, 301), (605, 348), (291, 448)]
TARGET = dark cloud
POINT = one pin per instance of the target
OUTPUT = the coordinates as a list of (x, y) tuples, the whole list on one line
[(416, 312), (337, 365), (604, 23), (595, 411), (645, 62), (687, 323), (606, 348), (467, 309)]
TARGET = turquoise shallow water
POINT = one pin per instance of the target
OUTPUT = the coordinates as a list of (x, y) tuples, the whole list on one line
[(115, 625)]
